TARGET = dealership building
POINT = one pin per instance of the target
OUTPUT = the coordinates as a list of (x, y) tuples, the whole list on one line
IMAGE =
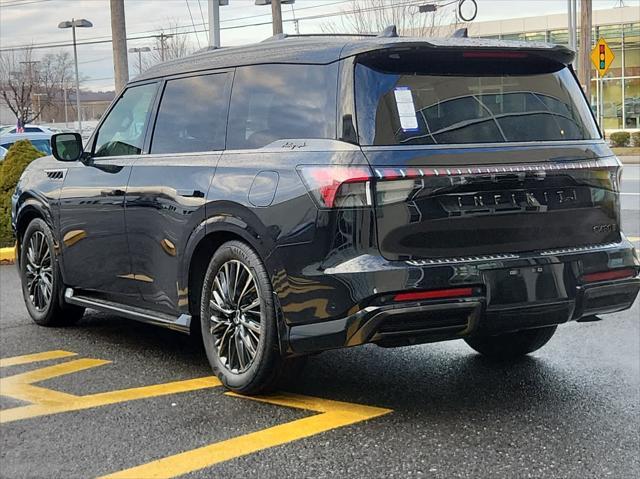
[(620, 27)]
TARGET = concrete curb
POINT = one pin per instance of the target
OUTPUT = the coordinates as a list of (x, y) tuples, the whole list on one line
[(7, 255)]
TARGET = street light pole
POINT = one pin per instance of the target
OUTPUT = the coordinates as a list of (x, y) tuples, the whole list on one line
[(75, 60), (82, 23)]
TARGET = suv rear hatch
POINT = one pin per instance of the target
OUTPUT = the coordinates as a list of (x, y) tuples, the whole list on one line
[(482, 152)]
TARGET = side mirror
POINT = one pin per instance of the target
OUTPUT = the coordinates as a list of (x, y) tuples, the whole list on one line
[(66, 146)]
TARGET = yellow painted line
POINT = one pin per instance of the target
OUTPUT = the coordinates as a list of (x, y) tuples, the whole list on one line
[(32, 358), (7, 255), (78, 403), (47, 401), (333, 414), (634, 239)]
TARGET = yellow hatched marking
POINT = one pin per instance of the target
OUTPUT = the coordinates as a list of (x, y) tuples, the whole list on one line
[(333, 414), (47, 401), (32, 358)]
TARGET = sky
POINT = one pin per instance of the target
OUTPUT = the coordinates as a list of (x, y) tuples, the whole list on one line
[(24, 22)]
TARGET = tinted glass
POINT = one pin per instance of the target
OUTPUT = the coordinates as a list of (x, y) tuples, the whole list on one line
[(122, 132), (273, 102), (43, 145), (410, 107), (192, 115), (32, 129)]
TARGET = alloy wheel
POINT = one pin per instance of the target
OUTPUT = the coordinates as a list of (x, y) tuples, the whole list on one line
[(39, 271), (235, 316)]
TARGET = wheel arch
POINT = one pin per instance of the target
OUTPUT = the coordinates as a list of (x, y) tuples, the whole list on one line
[(28, 209), (208, 236)]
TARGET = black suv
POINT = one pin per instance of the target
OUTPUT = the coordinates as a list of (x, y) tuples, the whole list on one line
[(312, 193)]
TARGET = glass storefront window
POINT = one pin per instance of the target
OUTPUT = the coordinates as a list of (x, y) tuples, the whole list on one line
[(632, 103), (536, 36), (612, 104), (513, 36), (632, 49), (561, 37)]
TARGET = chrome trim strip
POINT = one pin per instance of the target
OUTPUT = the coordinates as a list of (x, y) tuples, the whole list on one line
[(481, 258), (455, 146)]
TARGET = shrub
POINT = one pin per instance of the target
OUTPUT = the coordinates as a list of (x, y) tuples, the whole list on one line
[(16, 160), (635, 138), (620, 138)]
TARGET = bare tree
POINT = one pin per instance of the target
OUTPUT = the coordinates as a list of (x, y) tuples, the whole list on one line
[(373, 16), (28, 86)]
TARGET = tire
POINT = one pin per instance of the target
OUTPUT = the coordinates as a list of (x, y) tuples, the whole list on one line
[(512, 345), (42, 287), (238, 324)]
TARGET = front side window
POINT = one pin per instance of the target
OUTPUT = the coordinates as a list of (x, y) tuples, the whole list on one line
[(122, 132), (493, 102), (274, 102), (192, 115)]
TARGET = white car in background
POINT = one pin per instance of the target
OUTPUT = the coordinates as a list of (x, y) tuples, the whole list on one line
[(29, 128), (41, 141)]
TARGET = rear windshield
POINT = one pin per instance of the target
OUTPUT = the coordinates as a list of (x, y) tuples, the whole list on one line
[(399, 105)]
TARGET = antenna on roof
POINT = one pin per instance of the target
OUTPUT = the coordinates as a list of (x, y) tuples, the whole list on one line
[(460, 33), (390, 32)]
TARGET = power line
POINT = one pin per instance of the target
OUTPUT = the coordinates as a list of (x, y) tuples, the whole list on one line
[(231, 27), (56, 44), (202, 17), (193, 23), (19, 3)]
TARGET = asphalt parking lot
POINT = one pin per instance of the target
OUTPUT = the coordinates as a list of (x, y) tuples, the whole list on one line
[(114, 397)]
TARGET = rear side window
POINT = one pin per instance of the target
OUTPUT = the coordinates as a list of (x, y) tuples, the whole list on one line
[(192, 115), (407, 107), (274, 102)]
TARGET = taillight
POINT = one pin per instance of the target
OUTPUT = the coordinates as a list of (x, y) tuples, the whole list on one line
[(338, 186), (609, 275), (434, 294)]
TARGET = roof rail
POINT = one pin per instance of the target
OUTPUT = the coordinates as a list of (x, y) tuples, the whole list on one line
[(390, 32), (283, 36), (460, 33)]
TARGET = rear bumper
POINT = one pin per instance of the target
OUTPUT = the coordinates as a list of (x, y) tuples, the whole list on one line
[(510, 294)]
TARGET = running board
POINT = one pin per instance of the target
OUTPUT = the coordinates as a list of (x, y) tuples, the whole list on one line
[(181, 323)]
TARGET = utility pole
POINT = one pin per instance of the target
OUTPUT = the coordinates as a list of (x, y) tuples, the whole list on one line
[(584, 61), (119, 41), (139, 51), (276, 16), (162, 37)]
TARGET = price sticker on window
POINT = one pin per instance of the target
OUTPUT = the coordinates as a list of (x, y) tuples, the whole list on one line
[(406, 108)]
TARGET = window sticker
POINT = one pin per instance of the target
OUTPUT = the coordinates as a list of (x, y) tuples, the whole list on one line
[(406, 108)]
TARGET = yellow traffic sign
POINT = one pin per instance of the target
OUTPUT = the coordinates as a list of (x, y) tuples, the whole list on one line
[(602, 57)]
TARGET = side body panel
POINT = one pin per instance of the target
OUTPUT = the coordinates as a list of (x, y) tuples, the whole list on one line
[(93, 236), (296, 239), (164, 205)]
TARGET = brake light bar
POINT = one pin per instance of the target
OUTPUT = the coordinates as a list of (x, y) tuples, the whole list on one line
[(485, 54), (393, 173), (434, 294), (609, 275)]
